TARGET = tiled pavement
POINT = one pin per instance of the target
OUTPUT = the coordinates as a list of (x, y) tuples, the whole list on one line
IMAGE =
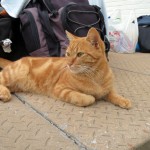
[(35, 122)]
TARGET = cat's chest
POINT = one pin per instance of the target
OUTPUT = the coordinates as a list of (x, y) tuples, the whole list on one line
[(92, 88)]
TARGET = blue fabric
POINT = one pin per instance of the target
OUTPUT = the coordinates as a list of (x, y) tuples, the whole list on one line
[(144, 20)]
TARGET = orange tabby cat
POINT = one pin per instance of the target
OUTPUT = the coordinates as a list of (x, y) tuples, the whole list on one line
[(80, 78)]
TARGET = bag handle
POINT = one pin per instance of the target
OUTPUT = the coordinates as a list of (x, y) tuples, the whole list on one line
[(81, 24)]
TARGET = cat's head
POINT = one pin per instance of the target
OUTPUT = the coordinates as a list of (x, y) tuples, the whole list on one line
[(85, 52)]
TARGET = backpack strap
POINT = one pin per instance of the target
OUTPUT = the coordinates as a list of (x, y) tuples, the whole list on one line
[(53, 12), (50, 35)]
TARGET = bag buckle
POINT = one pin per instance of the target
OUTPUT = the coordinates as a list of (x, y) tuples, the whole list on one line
[(54, 13)]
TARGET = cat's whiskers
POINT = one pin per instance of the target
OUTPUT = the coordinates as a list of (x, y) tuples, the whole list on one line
[(89, 72), (86, 70)]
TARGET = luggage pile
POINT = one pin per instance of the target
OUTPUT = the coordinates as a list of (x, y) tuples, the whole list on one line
[(40, 28)]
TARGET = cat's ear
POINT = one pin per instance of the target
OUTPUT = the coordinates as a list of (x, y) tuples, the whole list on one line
[(94, 38), (70, 36)]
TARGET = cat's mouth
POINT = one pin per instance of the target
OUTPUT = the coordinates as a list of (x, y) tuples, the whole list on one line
[(71, 68), (74, 68), (77, 68)]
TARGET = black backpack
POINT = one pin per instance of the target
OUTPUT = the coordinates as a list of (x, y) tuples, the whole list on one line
[(43, 25)]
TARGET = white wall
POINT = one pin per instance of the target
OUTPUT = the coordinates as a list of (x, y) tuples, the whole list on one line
[(141, 7)]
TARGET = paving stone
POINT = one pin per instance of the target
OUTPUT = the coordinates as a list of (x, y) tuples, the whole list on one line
[(21, 128), (101, 126)]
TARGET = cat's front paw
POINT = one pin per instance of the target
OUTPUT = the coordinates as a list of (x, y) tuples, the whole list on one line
[(83, 100), (5, 94), (86, 101), (125, 103)]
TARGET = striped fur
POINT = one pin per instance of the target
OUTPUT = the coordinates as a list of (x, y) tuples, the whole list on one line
[(80, 78)]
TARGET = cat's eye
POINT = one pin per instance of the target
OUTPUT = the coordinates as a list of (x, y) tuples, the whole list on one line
[(67, 54), (79, 54)]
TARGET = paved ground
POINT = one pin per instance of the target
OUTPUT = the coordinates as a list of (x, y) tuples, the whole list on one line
[(35, 122)]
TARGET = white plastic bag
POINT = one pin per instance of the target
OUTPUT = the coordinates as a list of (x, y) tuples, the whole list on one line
[(123, 32)]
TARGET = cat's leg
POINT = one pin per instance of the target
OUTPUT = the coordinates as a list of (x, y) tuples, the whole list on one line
[(5, 94), (12, 77), (116, 99), (74, 97), (7, 78)]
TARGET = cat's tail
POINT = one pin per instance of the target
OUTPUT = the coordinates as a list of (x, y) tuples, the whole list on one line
[(4, 62)]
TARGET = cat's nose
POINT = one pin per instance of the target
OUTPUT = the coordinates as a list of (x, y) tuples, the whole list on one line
[(72, 61), (70, 64)]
